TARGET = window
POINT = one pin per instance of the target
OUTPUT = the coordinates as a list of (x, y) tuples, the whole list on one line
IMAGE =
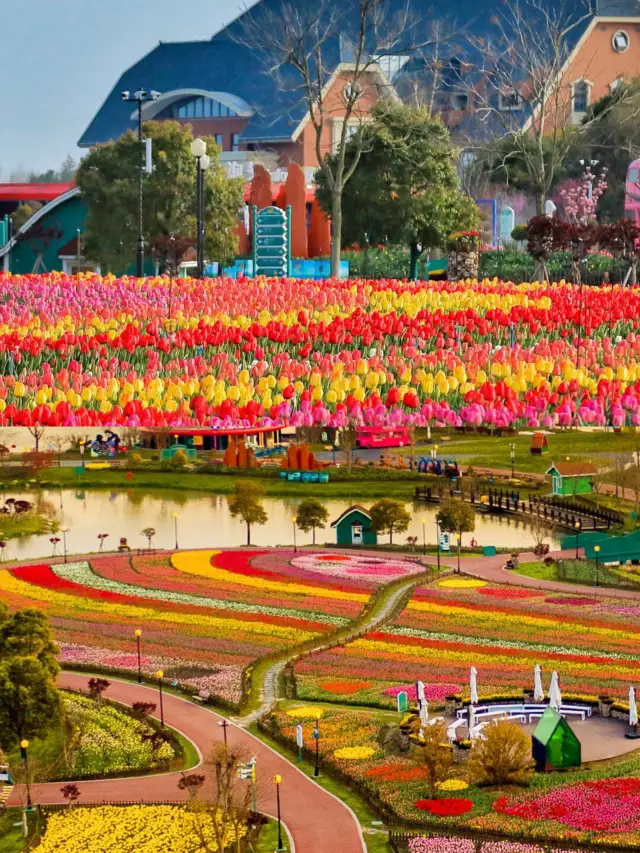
[(201, 108), (510, 101), (620, 41), (235, 141), (220, 140), (581, 96), (459, 101), (352, 129)]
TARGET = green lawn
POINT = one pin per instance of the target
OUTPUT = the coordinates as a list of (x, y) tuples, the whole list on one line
[(11, 838), (538, 571), (268, 838), (376, 841)]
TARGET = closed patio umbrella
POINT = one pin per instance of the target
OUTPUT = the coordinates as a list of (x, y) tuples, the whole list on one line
[(473, 685), (633, 711), (538, 691), (555, 697), (420, 693), (424, 713), (472, 718)]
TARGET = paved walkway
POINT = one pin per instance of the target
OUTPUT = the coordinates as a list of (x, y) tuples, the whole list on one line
[(317, 821)]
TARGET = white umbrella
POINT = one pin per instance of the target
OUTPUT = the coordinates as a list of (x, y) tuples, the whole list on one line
[(473, 685), (633, 711), (420, 693), (538, 691), (555, 697), (472, 718), (424, 713)]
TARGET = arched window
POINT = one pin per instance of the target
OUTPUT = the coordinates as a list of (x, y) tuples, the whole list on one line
[(197, 107), (581, 96)]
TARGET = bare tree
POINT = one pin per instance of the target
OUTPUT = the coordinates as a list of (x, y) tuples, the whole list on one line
[(299, 43), (37, 431), (522, 93)]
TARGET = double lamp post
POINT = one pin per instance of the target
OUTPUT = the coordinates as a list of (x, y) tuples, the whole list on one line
[(203, 161)]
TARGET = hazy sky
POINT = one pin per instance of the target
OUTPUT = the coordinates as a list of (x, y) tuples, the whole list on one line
[(61, 58)]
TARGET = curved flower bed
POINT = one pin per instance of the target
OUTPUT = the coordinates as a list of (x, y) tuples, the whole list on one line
[(375, 569), (446, 807), (206, 616)]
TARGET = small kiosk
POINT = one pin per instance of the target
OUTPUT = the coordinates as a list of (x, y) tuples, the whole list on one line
[(353, 527), (555, 745)]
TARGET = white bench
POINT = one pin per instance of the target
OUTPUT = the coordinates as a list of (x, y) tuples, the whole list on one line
[(202, 696), (451, 730), (533, 710), (565, 711)]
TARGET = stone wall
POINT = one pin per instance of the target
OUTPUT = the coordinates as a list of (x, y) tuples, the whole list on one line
[(463, 264)]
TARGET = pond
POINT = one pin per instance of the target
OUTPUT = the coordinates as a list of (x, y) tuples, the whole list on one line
[(204, 521)]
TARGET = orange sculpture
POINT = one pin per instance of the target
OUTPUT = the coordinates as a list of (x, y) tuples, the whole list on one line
[(300, 458), (296, 196)]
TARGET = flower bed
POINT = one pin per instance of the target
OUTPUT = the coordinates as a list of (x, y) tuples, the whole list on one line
[(206, 616), (443, 631), (129, 829), (93, 351), (107, 740)]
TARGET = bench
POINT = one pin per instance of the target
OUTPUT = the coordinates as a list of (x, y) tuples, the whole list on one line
[(202, 696), (451, 730), (565, 711), (530, 709)]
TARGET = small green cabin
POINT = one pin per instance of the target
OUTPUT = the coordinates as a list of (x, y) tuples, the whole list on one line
[(572, 478), (353, 527), (555, 745)]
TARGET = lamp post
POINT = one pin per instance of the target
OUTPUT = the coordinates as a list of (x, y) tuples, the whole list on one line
[(578, 526), (64, 531), (459, 535), (512, 449), (224, 725), (295, 541), (175, 527), (316, 737), (596, 548), (159, 676), (199, 151), (24, 745), (139, 98), (137, 634), (424, 538), (438, 542), (278, 781)]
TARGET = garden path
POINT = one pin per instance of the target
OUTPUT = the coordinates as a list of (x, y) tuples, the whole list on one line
[(316, 820)]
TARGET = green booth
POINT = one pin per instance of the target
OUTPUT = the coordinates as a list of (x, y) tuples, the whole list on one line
[(555, 745), (353, 527), (572, 478)]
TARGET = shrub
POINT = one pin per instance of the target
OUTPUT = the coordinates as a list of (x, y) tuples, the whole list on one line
[(502, 757)]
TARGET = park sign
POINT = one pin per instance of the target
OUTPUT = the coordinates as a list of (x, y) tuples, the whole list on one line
[(271, 228), (403, 701)]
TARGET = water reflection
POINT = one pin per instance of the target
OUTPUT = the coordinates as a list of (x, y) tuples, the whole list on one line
[(204, 521)]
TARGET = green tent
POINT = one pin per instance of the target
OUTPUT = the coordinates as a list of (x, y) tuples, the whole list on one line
[(555, 745)]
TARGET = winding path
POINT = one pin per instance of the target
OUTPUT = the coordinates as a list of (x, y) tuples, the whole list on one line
[(316, 820)]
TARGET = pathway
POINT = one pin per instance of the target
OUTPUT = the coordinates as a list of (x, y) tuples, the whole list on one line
[(317, 821)]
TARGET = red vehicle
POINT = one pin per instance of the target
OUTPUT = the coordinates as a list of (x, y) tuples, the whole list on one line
[(382, 437)]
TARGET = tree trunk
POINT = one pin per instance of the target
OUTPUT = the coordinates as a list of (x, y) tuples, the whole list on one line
[(314, 534), (248, 533), (336, 232), (413, 265), (391, 536), (539, 202)]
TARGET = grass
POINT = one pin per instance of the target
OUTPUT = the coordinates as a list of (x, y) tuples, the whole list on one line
[(11, 838), (538, 571), (579, 572), (268, 838), (376, 841)]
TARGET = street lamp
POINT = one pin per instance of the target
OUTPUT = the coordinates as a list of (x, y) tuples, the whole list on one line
[(316, 737), (64, 531), (512, 448), (295, 543), (24, 744), (224, 725), (424, 537), (159, 676), (175, 527), (438, 541), (278, 781), (596, 548), (139, 98), (137, 634), (203, 161), (459, 535), (578, 526)]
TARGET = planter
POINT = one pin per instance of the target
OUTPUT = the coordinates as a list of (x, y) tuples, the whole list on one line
[(604, 705), (527, 697), (451, 705), (463, 263)]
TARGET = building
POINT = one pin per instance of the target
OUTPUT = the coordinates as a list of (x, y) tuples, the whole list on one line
[(555, 745), (572, 478), (353, 527)]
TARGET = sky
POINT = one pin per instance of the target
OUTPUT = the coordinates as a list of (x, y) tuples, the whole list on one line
[(62, 58)]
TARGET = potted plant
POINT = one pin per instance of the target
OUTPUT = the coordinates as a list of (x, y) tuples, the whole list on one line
[(605, 703)]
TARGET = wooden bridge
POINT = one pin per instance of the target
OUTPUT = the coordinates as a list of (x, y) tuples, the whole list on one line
[(560, 512)]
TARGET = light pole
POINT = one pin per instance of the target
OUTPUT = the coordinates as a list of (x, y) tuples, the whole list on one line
[(438, 541), (578, 526), (139, 98), (159, 676), (295, 542), (138, 633), (64, 531), (424, 538), (224, 725), (278, 781), (175, 527), (24, 745), (596, 548), (512, 448), (203, 161), (316, 737), (459, 535)]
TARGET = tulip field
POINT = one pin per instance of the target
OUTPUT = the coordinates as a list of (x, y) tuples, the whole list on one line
[(89, 351), (205, 616), (502, 631)]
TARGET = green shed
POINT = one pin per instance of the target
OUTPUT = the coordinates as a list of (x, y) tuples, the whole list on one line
[(555, 745), (572, 478), (353, 527)]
